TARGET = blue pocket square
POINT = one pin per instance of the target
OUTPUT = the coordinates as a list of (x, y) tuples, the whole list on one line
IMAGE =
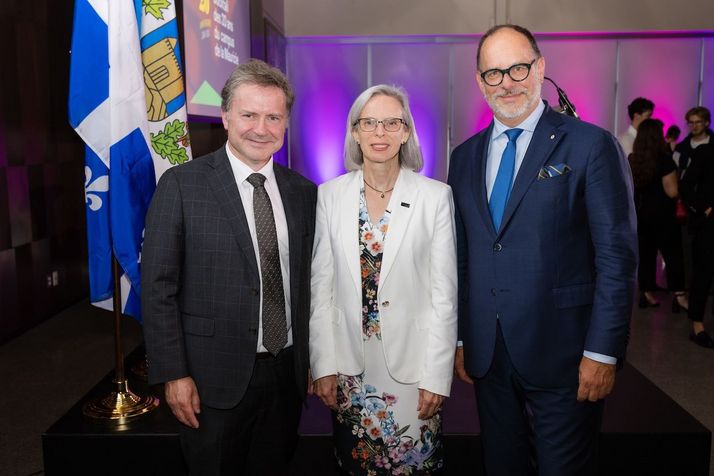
[(550, 171)]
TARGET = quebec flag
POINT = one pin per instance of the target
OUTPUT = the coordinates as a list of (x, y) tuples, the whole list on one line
[(131, 116)]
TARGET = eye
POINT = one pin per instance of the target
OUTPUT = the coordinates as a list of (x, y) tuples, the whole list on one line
[(393, 123), (519, 69), (493, 74), (369, 122)]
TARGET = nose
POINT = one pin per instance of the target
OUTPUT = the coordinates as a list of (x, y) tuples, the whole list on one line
[(379, 130), (260, 126)]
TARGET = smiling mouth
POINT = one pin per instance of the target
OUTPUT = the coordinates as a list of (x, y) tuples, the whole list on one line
[(380, 147)]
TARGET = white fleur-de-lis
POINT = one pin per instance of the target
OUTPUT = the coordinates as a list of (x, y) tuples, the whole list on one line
[(101, 184)]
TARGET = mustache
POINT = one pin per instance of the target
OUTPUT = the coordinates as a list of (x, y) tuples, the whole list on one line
[(510, 92)]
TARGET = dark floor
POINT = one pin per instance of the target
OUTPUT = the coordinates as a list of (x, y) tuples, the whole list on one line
[(38, 388)]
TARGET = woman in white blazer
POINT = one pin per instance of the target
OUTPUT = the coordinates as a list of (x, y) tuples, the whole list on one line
[(383, 313)]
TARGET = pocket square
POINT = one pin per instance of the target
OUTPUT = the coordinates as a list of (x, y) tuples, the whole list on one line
[(550, 171)]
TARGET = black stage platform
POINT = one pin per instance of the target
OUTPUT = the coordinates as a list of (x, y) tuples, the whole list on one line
[(644, 433)]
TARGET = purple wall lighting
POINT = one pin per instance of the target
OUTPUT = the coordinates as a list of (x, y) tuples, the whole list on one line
[(600, 73), (327, 78)]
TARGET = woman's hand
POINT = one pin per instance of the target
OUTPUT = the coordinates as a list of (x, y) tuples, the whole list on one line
[(429, 404), (326, 389)]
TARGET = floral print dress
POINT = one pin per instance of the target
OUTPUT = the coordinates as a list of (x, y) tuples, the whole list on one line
[(376, 428)]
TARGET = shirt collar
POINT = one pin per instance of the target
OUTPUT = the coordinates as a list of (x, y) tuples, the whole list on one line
[(242, 171), (529, 123), (632, 131)]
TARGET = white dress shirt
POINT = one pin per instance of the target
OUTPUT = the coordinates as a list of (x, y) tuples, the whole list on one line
[(498, 143), (241, 171), (627, 140)]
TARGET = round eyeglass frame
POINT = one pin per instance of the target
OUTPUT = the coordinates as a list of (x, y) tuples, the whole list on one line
[(507, 71), (384, 122)]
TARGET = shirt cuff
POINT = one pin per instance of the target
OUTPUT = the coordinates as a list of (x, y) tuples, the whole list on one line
[(604, 359)]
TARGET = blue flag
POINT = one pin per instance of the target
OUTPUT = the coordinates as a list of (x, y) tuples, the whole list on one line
[(108, 104)]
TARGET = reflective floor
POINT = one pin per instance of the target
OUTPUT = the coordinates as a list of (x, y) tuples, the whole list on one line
[(46, 370)]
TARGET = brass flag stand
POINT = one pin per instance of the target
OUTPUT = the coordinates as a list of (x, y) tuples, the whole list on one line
[(121, 406)]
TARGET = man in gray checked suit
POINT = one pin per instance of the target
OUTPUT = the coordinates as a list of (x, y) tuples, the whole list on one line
[(226, 287)]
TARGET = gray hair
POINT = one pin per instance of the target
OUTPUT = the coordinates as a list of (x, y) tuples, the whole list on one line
[(410, 155), (260, 73)]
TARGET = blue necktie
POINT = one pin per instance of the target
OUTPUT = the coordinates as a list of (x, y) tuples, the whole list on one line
[(502, 186)]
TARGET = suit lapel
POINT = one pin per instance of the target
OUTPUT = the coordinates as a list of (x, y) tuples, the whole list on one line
[(295, 217), (545, 138), (401, 206), (349, 227), (223, 185), (480, 157)]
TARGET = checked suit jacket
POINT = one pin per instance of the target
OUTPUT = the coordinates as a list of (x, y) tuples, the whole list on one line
[(200, 281)]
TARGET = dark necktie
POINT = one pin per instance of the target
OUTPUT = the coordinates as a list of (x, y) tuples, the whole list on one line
[(504, 178), (275, 333)]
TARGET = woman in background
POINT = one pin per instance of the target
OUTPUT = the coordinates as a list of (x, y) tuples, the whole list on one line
[(656, 189), (383, 312)]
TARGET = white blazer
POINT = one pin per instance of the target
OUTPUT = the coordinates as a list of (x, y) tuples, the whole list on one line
[(417, 289)]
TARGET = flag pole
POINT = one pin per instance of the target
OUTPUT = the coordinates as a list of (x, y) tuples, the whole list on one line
[(121, 406)]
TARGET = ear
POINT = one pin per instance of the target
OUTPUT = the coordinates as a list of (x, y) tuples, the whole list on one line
[(540, 68), (355, 135), (224, 118), (481, 84)]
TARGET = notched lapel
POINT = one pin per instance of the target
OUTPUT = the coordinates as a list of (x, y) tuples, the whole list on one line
[(405, 190), (546, 137), (349, 228), (479, 156), (222, 184), (293, 205)]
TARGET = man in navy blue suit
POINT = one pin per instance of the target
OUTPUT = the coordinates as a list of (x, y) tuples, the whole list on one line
[(547, 253)]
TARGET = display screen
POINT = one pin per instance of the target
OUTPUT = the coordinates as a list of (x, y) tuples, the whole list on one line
[(216, 40)]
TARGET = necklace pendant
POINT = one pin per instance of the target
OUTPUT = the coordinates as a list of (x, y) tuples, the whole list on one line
[(382, 195)]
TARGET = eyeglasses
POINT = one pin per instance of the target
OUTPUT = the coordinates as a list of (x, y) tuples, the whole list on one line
[(517, 72), (695, 123), (369, 124)]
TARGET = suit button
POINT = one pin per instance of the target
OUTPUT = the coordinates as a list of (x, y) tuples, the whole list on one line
[(497, 247), (385, 304), (493, 291)]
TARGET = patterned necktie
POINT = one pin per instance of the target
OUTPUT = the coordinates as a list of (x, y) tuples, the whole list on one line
[(504, 178), (275, 333)]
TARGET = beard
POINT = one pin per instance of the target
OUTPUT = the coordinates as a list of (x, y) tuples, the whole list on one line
[(514, 111)]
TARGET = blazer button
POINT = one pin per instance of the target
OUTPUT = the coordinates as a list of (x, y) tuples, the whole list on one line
[(493, 291), (385, 304), (497, 247)]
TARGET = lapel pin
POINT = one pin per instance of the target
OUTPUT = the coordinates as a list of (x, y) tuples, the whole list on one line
[(552, 136), (405, 205)]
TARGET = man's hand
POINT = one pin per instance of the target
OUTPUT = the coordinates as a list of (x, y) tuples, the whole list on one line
[(326, 389), (182, 397), (596, 380), (429, 403), (459, 368)]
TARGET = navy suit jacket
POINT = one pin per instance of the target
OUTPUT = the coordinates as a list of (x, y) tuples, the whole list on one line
[(560, 272), (200, 281)]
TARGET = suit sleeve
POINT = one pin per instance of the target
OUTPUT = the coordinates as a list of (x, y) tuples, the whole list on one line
[(438, 369), (462, 258), (322, 341), (162, 259), (613, 230)]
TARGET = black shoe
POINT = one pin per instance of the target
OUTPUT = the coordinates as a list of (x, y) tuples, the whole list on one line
[(676, 307), (644, 302), (702, 339)]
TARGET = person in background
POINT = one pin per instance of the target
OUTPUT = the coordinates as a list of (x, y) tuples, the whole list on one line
[(672, 136), (383, 320), (225, 283), (697, 189), (547, 254), (638, 110), (655, 178)]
